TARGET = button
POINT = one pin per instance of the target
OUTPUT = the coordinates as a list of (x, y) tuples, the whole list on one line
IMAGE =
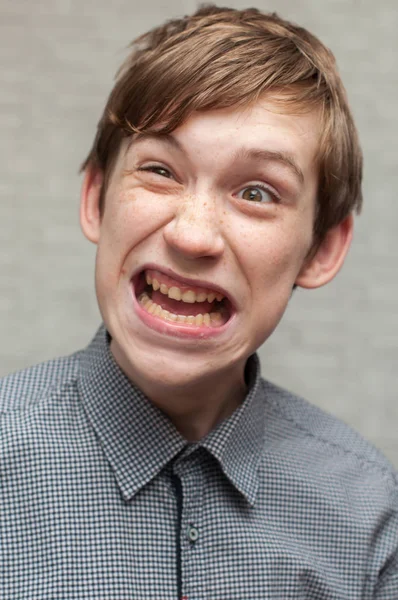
[(192, 533)]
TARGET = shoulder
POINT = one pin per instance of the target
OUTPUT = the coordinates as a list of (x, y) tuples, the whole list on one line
[(41, 419), (324, 441), (321, 478), (25, 389)]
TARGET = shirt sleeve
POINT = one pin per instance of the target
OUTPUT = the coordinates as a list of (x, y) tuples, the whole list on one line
[(387, 586), (386, 552)]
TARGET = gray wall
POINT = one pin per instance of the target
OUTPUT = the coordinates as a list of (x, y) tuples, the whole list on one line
[(337, 346)]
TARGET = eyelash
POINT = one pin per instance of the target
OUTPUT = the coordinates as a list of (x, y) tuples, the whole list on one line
[(155, 168), (274, 195)]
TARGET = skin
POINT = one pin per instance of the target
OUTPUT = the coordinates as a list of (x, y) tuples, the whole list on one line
[(181, 205)]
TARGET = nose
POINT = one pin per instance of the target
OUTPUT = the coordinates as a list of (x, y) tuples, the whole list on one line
[(195, 230)]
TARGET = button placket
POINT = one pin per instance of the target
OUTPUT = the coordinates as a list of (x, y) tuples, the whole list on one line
[(192, 479)]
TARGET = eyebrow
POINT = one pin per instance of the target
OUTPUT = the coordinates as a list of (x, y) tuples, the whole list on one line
[(166, 138), (284, 158)]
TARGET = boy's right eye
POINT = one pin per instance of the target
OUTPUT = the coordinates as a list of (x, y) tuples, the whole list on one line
[(158, 170)]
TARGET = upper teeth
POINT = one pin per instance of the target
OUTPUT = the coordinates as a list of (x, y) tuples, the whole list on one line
[(176, 293)]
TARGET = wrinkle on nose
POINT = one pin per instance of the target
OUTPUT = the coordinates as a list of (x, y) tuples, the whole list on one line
[(195, 229)]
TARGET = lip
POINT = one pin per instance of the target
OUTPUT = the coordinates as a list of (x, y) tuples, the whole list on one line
[(185, 281), (172, 328)]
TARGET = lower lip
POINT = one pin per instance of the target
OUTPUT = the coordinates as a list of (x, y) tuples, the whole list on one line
[(177, 329)]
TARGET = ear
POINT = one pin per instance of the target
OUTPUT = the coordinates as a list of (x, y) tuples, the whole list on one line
[(321, 267), (90, 216)]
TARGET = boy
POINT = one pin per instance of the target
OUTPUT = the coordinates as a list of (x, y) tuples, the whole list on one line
[(157, 463)]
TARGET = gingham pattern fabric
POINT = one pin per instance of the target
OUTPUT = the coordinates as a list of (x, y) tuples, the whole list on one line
[(280, 502)]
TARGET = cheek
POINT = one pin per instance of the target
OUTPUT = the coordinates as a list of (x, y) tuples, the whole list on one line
[(274, 251), (271, 259), (128, 221), (124, 224), (133, 216)]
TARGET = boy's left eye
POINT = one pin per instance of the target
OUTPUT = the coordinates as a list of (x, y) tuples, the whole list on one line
[(255, 193)]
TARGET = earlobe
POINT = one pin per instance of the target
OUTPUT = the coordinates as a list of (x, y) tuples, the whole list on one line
[(90, 214), (324, 265)]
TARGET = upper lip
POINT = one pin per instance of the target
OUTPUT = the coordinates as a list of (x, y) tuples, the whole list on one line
[(187, 281)]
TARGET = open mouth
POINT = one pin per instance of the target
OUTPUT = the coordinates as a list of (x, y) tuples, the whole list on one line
[(181, 303)]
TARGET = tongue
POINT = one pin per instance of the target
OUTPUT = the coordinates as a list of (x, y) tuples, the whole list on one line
[(182, 308)]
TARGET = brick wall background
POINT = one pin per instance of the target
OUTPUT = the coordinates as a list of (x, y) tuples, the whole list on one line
[(336, 346)]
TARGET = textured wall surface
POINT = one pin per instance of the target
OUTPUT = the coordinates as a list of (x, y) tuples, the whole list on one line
[(336, 346)]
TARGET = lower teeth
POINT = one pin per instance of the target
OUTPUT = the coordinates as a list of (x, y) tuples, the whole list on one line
[(213, 319)]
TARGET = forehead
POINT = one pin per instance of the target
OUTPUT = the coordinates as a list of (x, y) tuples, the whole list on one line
[(244, 132)]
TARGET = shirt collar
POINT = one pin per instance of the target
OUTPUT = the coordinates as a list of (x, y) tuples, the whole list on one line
[(139, 440), (237, 443)]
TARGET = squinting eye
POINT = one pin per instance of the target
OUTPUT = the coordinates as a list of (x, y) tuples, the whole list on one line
[(157, 170), (256, 194)]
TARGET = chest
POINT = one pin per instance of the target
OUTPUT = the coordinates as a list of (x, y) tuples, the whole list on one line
[(188, 533)]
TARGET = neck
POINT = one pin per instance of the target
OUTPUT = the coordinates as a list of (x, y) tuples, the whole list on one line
[(195, 406), (195, 413)]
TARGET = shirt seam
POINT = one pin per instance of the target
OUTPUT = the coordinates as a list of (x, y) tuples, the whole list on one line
[(388, 474), (46, 393)]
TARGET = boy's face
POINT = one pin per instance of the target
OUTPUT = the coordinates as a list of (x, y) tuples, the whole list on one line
[(224, 205)]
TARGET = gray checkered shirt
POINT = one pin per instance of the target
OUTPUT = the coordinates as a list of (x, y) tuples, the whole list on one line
[(102, 499)]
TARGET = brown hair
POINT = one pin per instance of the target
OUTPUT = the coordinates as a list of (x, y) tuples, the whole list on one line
[(221, 57)]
